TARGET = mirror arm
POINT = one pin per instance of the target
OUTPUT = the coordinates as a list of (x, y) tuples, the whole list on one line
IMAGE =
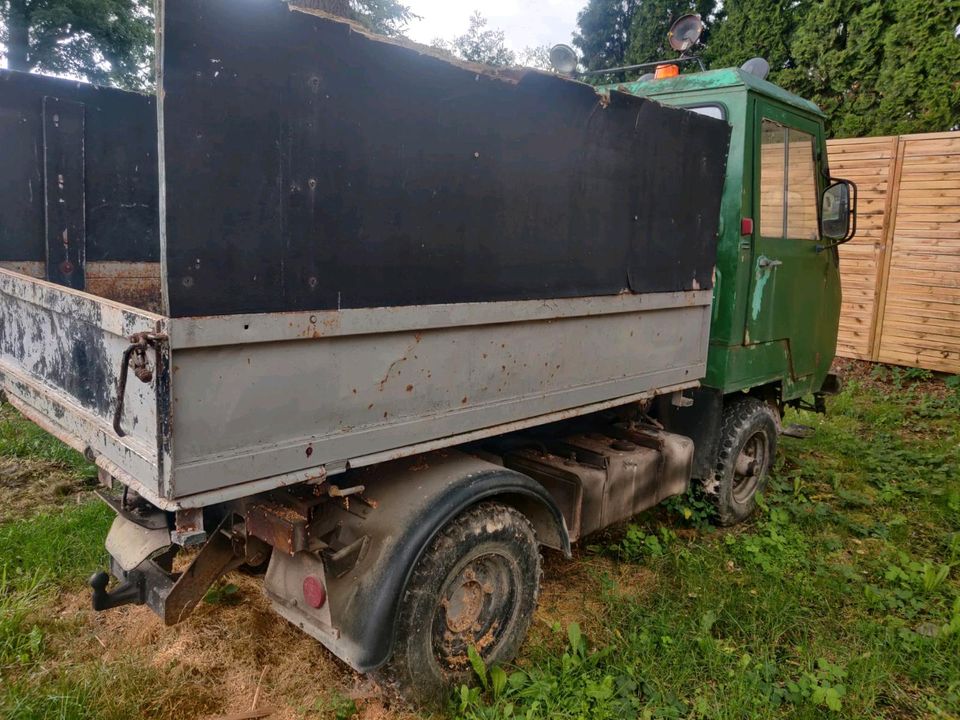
[(838, 243)]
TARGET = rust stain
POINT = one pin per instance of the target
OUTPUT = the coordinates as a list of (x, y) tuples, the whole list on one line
[(130, 283), (386, 376)]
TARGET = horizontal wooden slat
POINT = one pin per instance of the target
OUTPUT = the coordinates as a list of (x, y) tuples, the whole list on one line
[(916, 248)]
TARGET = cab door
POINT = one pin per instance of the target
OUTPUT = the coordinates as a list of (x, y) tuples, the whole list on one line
[(793, 278)]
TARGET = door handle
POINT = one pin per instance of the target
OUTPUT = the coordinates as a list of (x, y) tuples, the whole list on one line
[(765, 262)]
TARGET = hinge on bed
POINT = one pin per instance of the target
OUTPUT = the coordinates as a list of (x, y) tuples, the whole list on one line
[(135, 356)]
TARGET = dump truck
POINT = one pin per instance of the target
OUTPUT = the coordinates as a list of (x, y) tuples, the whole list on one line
[(385, 324)]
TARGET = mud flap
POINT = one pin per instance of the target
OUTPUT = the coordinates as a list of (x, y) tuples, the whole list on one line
[(130, 544)]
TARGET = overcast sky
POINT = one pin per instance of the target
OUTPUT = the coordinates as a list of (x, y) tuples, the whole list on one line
[(525, 22)]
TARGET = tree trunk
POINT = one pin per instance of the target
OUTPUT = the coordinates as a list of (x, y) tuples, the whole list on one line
[(18, 46)]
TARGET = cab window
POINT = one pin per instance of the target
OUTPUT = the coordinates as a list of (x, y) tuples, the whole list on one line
[(713, 111), (788, 183)]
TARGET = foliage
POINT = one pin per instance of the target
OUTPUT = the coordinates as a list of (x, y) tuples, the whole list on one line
[(693, 507), (778, 546), (104, 41), (337, 707), (535, 57), (603, 35), (637, 544), (838, 52), (64, 545), (222, 593), (874, 66), (879, 66), (387, 17), (605, 684), (751, 28), (918, 79), (841, 598), (21, 641), (20, 438), (479, 44)]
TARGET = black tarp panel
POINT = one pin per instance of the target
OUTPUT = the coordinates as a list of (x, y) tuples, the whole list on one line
[(119, 167), (64, 205), (310, 166)]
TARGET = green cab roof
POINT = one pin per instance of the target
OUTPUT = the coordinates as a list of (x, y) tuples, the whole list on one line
[(713, 80)]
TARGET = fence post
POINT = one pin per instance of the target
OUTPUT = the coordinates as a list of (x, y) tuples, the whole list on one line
[(889, 228)]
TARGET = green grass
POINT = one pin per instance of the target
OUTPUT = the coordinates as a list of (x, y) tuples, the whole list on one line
[(840, 598), (20, 438), (39, 557), (61, 546)]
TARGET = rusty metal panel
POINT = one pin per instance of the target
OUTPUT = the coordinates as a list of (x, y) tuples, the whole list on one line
[(279, 525), (60, 354), (264, 404), (604, 477), (382, 384)]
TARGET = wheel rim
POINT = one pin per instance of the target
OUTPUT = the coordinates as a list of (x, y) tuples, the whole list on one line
[(477, 606), (750, 466)]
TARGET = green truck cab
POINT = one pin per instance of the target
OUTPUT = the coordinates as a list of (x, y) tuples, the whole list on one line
[(777, 297), (777, 294)]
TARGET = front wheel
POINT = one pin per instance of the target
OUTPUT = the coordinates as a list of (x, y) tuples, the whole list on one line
[(748, 448), (476, 586)]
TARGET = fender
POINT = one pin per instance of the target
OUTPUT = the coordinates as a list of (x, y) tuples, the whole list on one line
[(412, 500)]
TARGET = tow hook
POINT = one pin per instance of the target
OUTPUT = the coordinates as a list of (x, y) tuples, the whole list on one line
[(127, 592)]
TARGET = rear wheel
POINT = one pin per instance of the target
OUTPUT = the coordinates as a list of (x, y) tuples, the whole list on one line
[(748, 448), (476, 586)]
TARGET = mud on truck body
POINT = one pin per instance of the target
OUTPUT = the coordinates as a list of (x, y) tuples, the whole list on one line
[(386, 323)]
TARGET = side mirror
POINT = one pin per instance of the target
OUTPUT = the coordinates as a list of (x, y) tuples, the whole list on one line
[(838, 215)]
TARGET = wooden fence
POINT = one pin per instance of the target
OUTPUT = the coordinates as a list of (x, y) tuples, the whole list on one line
[(901, 273)]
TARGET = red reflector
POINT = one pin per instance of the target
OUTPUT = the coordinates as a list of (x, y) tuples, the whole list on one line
[(746, 226), (314, 593)]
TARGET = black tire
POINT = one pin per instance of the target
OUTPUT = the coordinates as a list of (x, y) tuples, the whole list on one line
[(748, 449), (486, 564)]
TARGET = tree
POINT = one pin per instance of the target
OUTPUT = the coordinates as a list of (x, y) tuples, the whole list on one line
[(603, 35), (651, 24), (105, 41), (919, 81), (479, 45), (535, 57), (878, 66), (748, 28), (387, 17), (837, 52)]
